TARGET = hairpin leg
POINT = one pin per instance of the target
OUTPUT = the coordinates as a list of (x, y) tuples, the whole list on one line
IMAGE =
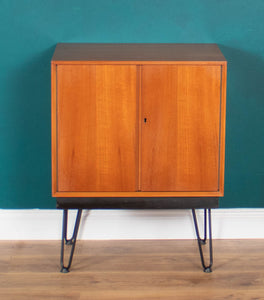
[(202, 241), (71, 241)]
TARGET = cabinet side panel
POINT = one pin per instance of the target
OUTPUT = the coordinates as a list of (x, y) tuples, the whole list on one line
[(223, 129), (180, 139), (97, 112), (53, 130)]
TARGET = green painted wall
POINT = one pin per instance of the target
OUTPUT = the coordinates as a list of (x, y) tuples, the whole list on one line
[(29, 31)]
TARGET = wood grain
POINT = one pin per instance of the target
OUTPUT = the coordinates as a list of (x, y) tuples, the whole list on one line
[(180, 140), (145, 269), (139, 126), (222, 130), (135, 53), (101, 148), (139, 194), (54, 128), (97, 122)]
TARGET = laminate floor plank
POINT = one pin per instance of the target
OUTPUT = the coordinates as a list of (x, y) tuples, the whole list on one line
[(138, 269)]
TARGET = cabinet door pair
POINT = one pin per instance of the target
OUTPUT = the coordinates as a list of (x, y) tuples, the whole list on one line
[(138, 128)]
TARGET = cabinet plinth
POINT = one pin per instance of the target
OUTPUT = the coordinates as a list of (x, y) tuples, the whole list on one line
[(138, 120)]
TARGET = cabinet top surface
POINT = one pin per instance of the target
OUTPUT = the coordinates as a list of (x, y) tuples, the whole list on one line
[(67, 52)]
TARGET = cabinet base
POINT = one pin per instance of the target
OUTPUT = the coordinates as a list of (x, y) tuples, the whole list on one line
[(137, 203)]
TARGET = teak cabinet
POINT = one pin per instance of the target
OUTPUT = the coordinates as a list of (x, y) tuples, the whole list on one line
[(138, 120), (138, 126)]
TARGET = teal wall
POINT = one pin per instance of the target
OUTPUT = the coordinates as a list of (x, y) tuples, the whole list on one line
[(29, 31)]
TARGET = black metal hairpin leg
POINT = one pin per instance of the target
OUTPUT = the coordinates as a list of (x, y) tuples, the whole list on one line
[(202, 241), (71, 241)]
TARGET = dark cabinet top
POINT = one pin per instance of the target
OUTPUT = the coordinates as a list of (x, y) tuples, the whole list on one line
[(66, 52)]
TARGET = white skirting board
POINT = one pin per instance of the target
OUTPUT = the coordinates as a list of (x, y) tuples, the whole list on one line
[(41, 224)]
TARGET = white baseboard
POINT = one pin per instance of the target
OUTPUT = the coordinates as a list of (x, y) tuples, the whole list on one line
[(39, 224)]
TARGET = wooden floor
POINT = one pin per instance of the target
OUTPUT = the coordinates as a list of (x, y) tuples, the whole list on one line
[(160, 269)]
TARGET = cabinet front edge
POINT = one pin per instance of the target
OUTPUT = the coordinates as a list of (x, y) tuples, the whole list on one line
[(138, 194), (134, 62)]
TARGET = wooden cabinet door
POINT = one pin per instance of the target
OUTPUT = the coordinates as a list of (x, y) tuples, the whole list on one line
[(96, 128), (180, 135)]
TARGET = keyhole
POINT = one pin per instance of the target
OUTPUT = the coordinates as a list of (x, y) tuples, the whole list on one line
[(145, 120)]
